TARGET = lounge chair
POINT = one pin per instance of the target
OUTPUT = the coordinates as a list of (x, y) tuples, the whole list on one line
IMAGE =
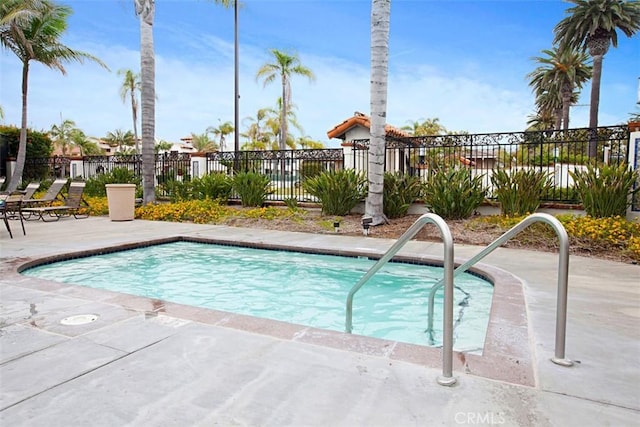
[(74, 204), (10, 209), (52, 194), (28, 192)]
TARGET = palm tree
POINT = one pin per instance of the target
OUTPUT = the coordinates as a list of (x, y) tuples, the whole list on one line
[(283, 67), (291, 118), (203, 143), (61, 135), (380, 16), (130, 85), (88, 146), (591, 25), (255, 132), (306, 142), (163, 146), (221, 132), (561, 71), (548, 103), (542, 120), (145, 10), (120, 139), (423, 127), (32, 29)]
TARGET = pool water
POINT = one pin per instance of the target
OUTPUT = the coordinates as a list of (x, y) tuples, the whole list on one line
[(294, 287)]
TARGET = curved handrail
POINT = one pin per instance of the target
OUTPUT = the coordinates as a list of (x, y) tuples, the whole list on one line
[(447, 339), (563, 273)]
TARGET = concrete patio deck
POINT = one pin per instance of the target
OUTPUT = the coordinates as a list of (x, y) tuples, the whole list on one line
[(150, 363)]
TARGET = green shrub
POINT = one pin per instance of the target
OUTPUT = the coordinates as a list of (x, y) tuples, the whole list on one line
[(311, 168), (605, 191), (338, 191), (291, 203), (178, 191), (252, 188), (95, 186), (39, 146), (520, 192), (400, 191), (567, 194), (214, 186), (454, 193)]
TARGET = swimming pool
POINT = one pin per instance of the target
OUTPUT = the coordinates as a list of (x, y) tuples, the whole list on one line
[(295, 287)]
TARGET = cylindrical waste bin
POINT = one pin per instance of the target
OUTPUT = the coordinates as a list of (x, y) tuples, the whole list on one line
[(122, 201)]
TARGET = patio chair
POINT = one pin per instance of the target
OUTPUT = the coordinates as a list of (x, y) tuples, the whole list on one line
[(52, 194), (29, 191), (74, 205), (10, 209)]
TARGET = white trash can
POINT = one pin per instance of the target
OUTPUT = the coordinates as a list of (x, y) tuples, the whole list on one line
[(122, 201)]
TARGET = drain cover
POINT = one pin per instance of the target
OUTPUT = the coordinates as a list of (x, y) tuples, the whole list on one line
[(80, 319)]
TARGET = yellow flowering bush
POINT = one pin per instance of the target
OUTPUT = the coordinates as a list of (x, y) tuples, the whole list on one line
[(197, 211), (585, 232), (97, 205), (615, 232), (269, 213)]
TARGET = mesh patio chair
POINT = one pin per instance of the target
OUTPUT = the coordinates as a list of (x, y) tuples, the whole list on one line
[(29, 191), (10, 209), (74, 204), (52, 195)]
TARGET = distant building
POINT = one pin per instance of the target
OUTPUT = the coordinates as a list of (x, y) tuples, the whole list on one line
[(357, 128)]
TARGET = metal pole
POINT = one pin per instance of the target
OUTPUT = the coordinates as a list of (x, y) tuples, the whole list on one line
[(236, 131), (447, 378)]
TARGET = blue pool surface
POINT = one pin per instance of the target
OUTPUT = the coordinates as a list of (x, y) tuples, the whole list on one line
[(295, 287)]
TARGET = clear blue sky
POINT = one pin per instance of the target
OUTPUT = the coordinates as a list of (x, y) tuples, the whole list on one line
[(464, 62)]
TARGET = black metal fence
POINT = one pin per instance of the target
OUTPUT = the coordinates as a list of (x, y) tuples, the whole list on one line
[(36, 169), (554, 152), (169, 167), (285, 168)]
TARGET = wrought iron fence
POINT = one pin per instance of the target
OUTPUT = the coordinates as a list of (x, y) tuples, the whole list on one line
[(94, 165), (39, 168), (169, 167), (556, 152), (286, 169)]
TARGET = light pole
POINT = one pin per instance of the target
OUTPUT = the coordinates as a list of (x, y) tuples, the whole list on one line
[(236, 130)]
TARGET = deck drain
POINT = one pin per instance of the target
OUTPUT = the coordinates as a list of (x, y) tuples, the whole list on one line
[(80, 319)]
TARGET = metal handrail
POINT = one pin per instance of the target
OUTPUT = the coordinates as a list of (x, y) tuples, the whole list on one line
[(563, 273), (447, 339)]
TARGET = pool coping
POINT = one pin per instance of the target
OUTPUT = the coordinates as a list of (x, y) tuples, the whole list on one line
[(507, 353)]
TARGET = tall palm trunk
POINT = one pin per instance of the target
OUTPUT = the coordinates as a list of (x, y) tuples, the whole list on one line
[(380, 16), (16, 176), (557, 115), (566, 91), (595, 104), (283, 128), (283, 115), (134, 111), (146, 9), (597, 45)]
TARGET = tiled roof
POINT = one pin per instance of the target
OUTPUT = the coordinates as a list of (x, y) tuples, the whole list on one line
[(360, 119)]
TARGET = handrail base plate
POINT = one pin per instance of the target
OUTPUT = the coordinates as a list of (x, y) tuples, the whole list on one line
[(562, 362), (446, 381)]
